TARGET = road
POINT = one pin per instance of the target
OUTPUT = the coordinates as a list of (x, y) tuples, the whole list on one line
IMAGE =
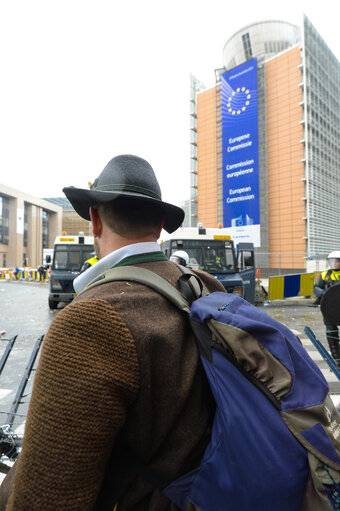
[(25, 312)]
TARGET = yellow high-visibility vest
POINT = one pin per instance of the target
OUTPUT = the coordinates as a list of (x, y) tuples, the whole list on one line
[(92, 260), (335, 275)]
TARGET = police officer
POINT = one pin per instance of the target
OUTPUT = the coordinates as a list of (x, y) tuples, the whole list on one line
[(89, 262), (180, 257), (327, 279)]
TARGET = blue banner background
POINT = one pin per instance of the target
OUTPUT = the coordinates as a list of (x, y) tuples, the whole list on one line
[(240, 180)]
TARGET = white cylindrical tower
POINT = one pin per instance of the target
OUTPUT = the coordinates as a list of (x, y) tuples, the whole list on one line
[(262, 40)]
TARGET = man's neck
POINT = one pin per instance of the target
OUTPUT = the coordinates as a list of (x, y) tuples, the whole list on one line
[(111, 241), (111, 260)]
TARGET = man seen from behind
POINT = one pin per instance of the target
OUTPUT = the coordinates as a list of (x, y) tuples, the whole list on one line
[(119, 384)]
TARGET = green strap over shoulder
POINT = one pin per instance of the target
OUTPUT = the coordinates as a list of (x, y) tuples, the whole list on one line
[(142, 258), (146, 277)]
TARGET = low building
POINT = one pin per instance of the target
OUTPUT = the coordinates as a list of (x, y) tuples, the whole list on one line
[(72, 223), (27, 226)]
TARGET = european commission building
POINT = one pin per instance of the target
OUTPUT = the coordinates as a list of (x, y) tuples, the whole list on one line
[(264, 145)]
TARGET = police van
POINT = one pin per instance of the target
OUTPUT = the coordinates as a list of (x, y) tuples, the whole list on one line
[(69, 254), (213, 250)]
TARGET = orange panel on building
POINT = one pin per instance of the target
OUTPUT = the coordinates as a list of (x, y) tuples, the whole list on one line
[(285, 152)]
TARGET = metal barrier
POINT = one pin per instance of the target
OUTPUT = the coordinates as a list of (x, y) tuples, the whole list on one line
[(23, 274), (286, 286), (23, 383), (323, 352)]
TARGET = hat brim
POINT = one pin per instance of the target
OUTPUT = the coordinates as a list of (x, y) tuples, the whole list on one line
[(82, 199)]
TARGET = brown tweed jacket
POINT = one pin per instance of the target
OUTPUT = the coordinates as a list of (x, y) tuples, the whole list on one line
[(119, 372)]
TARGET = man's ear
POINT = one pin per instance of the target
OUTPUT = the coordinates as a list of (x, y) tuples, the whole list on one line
[(96, 222)]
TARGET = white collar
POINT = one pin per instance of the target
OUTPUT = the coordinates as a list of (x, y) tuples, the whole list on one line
[(111, 260)]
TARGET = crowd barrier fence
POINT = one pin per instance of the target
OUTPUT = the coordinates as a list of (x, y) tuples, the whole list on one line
[(287, 286), (23, 274)]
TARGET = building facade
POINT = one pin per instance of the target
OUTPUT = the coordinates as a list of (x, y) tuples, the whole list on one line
[(295, 170), (191, 214), (72, 223), (27, 226)]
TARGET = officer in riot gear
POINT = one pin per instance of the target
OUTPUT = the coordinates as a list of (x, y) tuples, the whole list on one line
[(89, 262), (327, 279), (180, 257)]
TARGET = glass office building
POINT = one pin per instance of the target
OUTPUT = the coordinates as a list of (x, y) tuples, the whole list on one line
[(295, 106), (321, 102)]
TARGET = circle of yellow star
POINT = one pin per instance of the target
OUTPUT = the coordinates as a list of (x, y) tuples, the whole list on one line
[(243, 96)]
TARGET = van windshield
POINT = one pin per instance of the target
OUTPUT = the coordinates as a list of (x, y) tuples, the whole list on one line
[(214, 256), (71, 257)]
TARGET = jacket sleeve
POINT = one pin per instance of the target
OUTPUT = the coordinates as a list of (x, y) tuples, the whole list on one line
[(88, 375), (319, 287)]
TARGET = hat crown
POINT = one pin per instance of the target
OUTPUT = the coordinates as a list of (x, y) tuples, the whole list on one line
[(126, 178), (128, 173)]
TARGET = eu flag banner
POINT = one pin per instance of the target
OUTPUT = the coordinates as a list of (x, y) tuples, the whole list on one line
[(240, 179)]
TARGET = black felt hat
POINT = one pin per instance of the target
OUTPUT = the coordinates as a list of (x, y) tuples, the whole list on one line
[(126, 177)]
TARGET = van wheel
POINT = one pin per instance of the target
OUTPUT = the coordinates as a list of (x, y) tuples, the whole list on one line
[(52, 304)]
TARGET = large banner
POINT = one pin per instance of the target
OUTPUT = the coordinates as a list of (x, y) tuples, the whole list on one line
[(240, 181)]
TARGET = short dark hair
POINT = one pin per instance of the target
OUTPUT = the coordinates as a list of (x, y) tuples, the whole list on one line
[(128, 217)]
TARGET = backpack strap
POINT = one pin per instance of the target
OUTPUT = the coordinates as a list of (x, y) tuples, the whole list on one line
[(146, 277), (190, 284)]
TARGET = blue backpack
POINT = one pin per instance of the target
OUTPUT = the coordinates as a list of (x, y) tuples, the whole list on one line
[(275, 442)]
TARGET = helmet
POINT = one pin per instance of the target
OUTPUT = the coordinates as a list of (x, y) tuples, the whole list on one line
[(334, 260), (334, 255), (180, 257)]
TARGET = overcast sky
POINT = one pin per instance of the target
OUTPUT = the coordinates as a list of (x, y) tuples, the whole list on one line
[(83, 81)]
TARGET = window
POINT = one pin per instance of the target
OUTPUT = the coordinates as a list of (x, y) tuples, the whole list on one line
[(71, 257), (44, 229), (25, 224), (247, 46), (246, 260), (214, 256), (4, 220)]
